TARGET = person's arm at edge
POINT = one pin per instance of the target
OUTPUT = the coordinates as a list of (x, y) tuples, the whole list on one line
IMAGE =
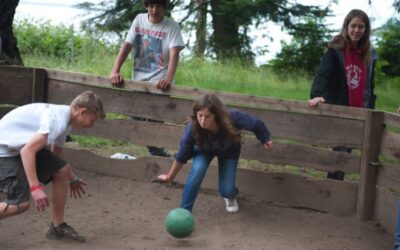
[(175, 168), (28, 155), (320, 84), (115, 77), (172, 66)]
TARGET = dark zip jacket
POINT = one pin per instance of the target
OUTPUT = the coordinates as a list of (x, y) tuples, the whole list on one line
[(331, 83), (221, 146)]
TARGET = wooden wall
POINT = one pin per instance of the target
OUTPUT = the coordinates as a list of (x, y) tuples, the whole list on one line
[(388, 174), (302, 137)]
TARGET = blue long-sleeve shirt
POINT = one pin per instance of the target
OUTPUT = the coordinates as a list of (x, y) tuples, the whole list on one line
[(221, 146)]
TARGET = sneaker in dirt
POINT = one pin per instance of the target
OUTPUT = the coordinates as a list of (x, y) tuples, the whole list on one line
[(231, 205), (63, 231)]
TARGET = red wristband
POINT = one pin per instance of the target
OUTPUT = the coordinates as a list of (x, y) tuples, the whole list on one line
[(34, 188)]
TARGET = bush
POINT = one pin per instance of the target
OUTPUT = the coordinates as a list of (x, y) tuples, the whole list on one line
[(42, 38)]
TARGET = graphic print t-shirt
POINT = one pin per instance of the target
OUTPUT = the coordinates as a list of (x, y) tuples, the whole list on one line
[(356, 73), (151, 44)]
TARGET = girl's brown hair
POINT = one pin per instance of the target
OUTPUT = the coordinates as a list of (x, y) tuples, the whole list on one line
[(222, 118), (342, 41)]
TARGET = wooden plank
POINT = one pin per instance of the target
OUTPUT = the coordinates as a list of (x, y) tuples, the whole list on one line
[(157, 107), (301, 155), (39, 87), (391, 144), (144, 169), (168, 136), (386, 209), (317, 130), (230, 98), (15, 71), (392, 119), (388, 177), (370, 154), (327, 195), (313, 129), (15, 85)]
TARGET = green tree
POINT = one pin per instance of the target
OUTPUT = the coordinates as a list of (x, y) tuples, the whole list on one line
[(388, 42), (230, 22), (306, 49)]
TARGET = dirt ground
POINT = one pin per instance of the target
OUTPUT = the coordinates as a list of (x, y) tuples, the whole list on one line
[(122, 214)]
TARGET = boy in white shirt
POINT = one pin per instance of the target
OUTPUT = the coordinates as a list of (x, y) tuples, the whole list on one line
[(157, 42), (25, 161)]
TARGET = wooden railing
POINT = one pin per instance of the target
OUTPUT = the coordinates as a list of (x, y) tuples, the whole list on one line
[(302, 136)]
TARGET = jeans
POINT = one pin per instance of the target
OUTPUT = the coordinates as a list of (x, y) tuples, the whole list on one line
[(226, 180), (397, 233)]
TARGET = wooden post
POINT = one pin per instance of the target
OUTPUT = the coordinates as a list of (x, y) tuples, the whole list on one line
[(39, 86), (369, 162)]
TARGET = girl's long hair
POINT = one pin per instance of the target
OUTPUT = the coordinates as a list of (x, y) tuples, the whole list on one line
[(222, 118), (342, 41)]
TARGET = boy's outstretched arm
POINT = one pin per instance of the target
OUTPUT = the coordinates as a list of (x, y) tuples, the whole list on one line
[(28, 156)]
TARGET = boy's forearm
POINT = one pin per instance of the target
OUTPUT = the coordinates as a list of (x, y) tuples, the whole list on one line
[(172, 64), (29, 163)]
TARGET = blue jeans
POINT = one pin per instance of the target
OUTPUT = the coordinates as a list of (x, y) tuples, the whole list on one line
[(226, 180), (397, 233)]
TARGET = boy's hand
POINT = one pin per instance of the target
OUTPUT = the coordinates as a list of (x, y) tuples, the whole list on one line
[(76, 188), (163, 84), (116, 79), (40, 198)]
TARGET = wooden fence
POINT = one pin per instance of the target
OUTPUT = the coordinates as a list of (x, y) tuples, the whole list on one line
[(302, 136)]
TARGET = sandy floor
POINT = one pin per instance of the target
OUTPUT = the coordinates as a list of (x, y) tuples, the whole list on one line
[(122, 214)]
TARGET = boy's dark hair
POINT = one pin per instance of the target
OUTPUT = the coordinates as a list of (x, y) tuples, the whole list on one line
[(163, 2)]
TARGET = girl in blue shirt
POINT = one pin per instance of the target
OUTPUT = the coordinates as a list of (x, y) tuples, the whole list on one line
[(214, 131)]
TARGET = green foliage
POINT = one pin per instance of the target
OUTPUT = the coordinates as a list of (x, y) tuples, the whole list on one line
[(90, 141), (305, 50), (230, 76), (42, 38), (388, 41), (231, 20)]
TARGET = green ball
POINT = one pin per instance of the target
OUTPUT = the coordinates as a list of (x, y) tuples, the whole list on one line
[(179, 222)]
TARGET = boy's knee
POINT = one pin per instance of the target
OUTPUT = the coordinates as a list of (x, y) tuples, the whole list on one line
[(23, 207), (63, 173), (11, 210)]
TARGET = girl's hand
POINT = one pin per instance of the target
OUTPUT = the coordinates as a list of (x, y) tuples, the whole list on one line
[(314, 102), (268, 145)]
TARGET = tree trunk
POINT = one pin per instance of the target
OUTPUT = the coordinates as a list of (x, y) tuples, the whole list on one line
[(9, 52), (226, 31), (201, 28)]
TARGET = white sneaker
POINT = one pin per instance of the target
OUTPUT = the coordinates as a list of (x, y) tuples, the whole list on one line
[(231, 205)]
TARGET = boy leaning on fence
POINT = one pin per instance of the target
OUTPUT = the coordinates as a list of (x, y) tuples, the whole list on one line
[(26, 164)]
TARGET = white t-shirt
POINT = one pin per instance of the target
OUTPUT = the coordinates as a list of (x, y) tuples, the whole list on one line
[(151, 44), (19, 125)]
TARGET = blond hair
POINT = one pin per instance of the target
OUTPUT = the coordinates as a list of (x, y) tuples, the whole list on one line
[(91, 102)]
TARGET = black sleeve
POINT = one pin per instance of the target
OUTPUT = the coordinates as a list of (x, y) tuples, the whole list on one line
[(325, 71)]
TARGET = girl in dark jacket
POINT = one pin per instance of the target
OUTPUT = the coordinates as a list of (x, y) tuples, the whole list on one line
[(346, 73), (214, 131)]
